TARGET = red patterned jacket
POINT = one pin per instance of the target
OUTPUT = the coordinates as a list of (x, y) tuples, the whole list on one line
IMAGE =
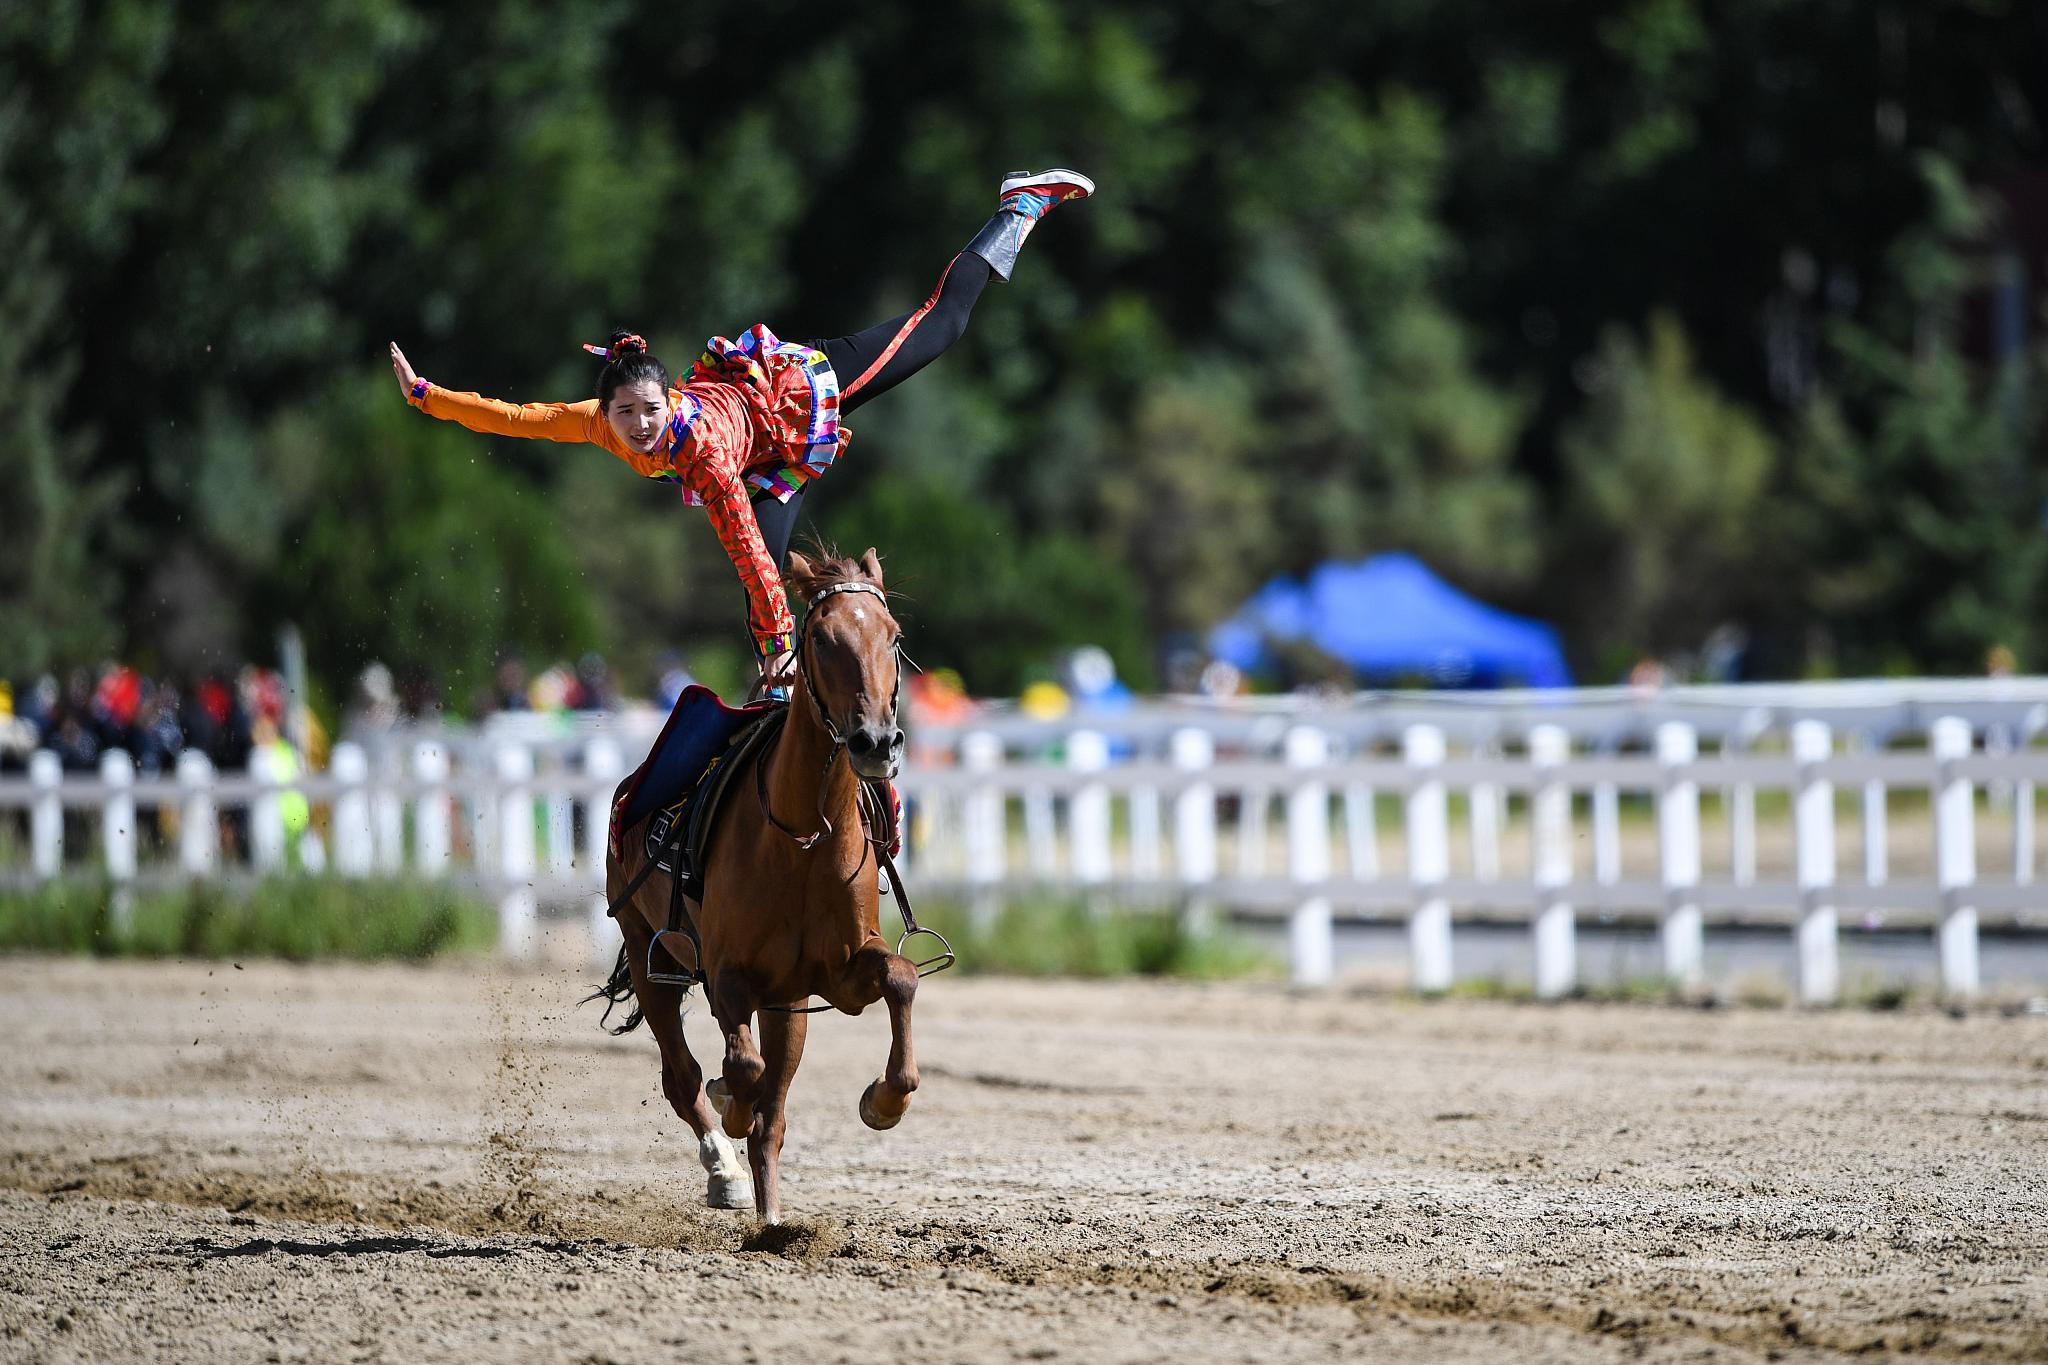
[(755, 413)]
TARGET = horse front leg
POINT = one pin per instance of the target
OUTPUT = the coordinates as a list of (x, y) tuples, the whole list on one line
[(733, 1005), (782, 1047), (892, 979), (728, 1185)]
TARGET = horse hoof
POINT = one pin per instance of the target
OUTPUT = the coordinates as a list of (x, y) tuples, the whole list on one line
[(878, 1122), (730, 1192), (714, 1090)]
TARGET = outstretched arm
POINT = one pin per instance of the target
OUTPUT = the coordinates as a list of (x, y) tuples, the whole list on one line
[(732, 517), (534, 421)]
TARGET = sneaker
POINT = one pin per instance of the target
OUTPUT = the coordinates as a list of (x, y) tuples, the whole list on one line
[(1032, 194)]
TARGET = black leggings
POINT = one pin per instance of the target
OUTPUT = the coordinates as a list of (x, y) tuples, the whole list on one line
[(876, 360)]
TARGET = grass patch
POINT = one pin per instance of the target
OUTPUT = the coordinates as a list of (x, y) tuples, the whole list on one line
[(1069, 938), (300, 919)]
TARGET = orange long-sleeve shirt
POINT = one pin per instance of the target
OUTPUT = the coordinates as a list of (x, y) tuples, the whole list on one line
[(756, 413)]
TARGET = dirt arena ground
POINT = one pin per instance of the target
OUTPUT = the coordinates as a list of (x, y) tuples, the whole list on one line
[(204, 1162)]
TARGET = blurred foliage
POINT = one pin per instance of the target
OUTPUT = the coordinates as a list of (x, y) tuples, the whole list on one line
[(1665, 483), (302, 919), (1068, 938), (1641, 316)]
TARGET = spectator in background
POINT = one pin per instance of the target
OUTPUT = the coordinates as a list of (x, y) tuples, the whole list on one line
[(671, 676), (373, 711), (421, 697), (550, 691), (1092, 679), (511, 682), (18, 734), (216, 722), (72, 734), (592, 689), (268, 738), (156, 738), (116, 700)]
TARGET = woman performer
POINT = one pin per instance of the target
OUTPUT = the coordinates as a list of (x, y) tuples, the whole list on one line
[(758, 418)]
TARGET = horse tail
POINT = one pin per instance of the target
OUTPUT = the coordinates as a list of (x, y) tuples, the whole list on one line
[(615, 992)]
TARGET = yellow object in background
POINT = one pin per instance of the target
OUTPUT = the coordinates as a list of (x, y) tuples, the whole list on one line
[(1044, 701)]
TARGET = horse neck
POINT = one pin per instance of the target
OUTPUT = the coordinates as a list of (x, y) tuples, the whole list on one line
[(797, 767)]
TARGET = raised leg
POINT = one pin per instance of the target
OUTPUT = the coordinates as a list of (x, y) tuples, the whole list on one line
[(782, 1048), (893, 979), (728, 1184), (733, 1003)]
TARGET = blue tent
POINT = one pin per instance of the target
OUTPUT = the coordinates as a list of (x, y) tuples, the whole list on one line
[(1390, 617)]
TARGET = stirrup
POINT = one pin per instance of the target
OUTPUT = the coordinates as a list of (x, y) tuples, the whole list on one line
[(695, 978), (944, 958)]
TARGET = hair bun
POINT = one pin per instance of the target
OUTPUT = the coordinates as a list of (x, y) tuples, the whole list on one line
[(626, 343)]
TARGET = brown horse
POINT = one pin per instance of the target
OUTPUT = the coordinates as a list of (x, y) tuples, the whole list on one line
[(790, 906)]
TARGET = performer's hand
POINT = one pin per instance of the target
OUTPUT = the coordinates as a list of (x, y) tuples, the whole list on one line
[(402, 367), (779, 669)]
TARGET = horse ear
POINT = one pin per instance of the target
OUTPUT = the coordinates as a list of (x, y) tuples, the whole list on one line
[(800, 570), (871, 565)]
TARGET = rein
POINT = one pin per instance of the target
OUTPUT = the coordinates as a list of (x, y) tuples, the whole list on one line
[(869, 801), (832, 731)]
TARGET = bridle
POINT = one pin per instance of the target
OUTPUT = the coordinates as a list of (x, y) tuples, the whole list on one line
[(832, 731), (870, 798)]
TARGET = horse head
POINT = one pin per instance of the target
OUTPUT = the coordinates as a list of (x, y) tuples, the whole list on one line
[(847, 656)]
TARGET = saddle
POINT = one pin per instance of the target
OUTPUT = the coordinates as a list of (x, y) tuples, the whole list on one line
[(683, 857), (683, 779), (682, 786)]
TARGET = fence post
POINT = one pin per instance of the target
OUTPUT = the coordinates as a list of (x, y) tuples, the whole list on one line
[(1955, 856), (518, 908), (1041, 833), (198, 820), (117, 828), (1429, 861), (982, 830), (1678, 849), (1311, 949), (2023, 803), (1813, 834), (560, 805), (1252, 810), (1361, 831), (602, 767), (387, 812), (431, 819), (1550, 815), (1740, 801), (1484, 808), (46, 821), (1143, 805), (1606, 829), (1194, 825), (266, 810), (1876, 830), (1088, 809), (354, 838)]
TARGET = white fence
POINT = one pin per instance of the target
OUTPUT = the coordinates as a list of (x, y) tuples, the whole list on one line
[(1543, 816)]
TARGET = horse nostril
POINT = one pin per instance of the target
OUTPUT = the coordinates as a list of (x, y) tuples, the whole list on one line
[(861, 743), (896, 740)]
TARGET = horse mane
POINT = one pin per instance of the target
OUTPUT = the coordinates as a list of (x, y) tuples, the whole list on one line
[(821, 566)]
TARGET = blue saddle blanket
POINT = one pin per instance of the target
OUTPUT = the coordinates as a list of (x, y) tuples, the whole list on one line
[(698, 731)]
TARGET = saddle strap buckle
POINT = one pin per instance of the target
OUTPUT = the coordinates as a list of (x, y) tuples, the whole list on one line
[(935, 964)]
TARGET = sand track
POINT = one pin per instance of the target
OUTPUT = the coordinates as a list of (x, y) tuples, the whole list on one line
[(392, 1163)]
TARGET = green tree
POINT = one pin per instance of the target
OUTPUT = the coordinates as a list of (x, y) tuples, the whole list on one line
[(418, 550), (1665, 497), (55, 514)]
